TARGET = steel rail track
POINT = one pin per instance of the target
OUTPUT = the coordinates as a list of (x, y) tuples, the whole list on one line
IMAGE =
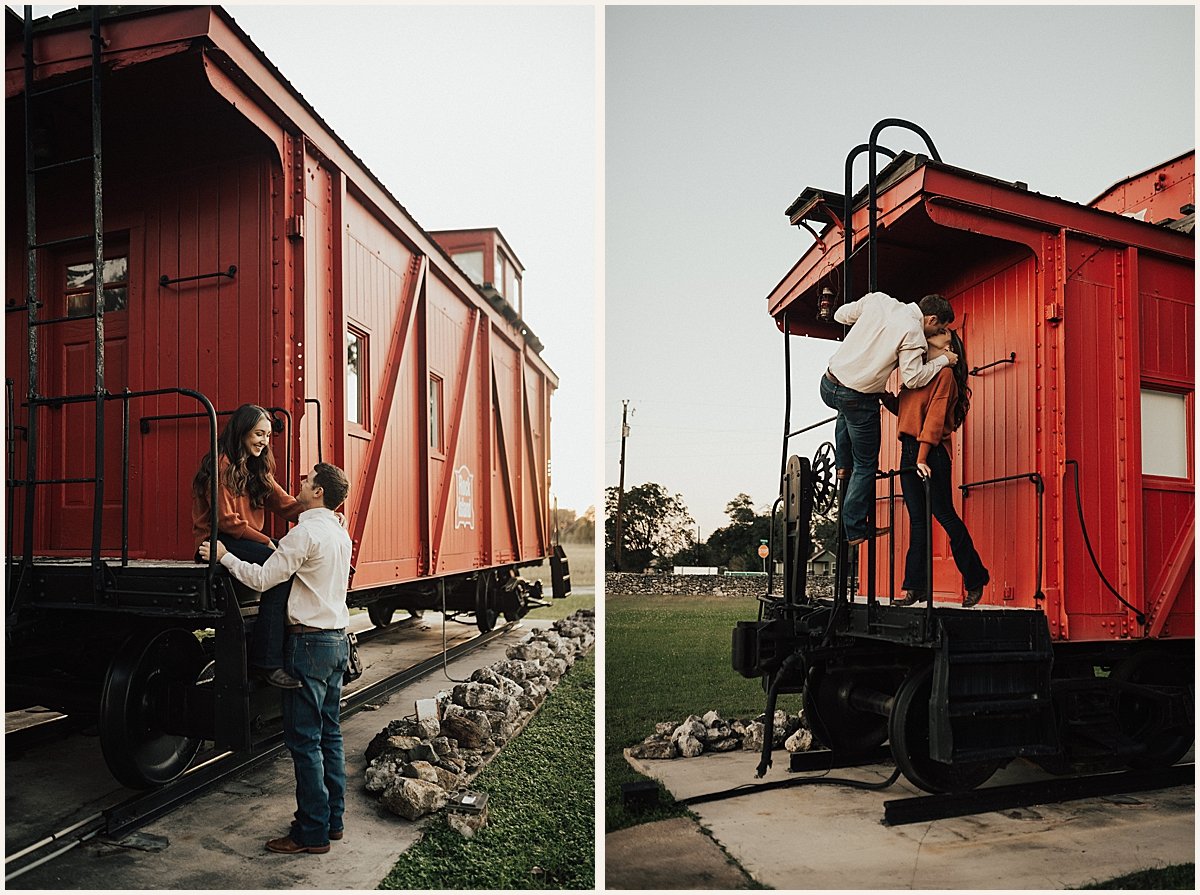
[(126, 816), (1042, 792)]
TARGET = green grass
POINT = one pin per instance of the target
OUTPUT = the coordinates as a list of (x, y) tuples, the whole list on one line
[(541, 797), (582, 560), (1176, 876), (581, 557), (667, 658)]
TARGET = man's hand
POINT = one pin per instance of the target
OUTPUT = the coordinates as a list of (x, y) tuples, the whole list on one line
[(923, 470), (951, 358), (204, 549)]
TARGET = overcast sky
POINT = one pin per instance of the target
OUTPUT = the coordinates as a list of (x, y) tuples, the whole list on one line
[(717, 117), (474, 116)]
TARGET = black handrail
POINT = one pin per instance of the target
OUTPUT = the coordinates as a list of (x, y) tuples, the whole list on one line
[(321, 430), (817, 425), (1011, 359), (847, 212), (125, 397), (165, 280), (1038, 483), (10, 445), (873, 253), (277, 427)]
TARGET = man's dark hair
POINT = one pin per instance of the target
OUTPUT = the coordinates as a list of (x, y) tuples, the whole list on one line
[(335, 483), (936, 306)]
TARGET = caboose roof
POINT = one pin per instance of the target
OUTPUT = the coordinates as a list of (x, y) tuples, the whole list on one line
[(929, 211), (136, 34)]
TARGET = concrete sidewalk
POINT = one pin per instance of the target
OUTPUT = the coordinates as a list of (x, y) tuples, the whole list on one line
[(832, 837), (217, 841)]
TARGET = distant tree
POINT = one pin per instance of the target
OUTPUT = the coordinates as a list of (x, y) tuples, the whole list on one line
[(824, 532), (563, 518), (581, 530), (735, 545), (657, 526)]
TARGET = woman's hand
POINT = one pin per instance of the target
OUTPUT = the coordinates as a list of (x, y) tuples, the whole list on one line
[(923, 470)]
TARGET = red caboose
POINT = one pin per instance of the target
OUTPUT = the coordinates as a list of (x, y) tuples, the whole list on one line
[(245, 254), (1074, 473), (1079, 322)]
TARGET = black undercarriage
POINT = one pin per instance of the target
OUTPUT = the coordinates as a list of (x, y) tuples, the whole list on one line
[(958, 693)]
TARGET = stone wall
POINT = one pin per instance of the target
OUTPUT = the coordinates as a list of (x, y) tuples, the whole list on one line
[(735, 587)]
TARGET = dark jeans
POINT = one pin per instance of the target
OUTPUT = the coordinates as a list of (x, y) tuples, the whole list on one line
[(266, 640), (974, 573), (856, 447), (313, 734)]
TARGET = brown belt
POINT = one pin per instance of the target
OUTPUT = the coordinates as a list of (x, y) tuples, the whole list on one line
[(829, 375), (309, 629)]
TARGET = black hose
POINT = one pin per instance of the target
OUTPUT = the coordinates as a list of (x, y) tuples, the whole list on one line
[(769, 721), (1141, 618), (751, 788)]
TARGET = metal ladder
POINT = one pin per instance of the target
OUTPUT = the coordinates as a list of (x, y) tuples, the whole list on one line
[(35, 400)]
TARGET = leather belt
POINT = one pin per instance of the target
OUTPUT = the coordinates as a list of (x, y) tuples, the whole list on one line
[(309, 629), (829, 375)]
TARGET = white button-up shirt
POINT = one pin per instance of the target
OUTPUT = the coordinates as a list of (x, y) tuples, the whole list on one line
[(317, 552), (884, 334)]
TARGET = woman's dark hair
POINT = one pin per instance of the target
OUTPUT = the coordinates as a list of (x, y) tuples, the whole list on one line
[(245, 474), (962, 403)]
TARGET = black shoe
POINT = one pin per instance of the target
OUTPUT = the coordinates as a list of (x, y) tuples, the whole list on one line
[(277, 677), (974, 595), (910, 598)]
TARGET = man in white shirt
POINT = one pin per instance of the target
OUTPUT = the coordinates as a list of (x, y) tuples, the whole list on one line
[(884, 334), (317, 553)]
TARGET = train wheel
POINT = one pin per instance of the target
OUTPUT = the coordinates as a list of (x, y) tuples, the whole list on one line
[(485, 601), (381, 614), (908, 729), (839, 726), (138, 752), (1141, 719)]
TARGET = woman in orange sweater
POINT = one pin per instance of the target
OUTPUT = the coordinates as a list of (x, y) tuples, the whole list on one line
[(928, 416), (246, 489)]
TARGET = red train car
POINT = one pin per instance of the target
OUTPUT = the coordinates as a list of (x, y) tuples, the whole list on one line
[(247, 256), (1074, 472)]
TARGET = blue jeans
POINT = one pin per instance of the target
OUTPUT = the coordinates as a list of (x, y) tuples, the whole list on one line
[(973, 571), (266, 640), (312, 732), (856, 447)]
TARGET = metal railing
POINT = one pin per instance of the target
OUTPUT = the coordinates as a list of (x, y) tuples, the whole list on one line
[(26, 562)]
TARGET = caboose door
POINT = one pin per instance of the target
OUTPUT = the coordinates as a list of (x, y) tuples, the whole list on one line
[(68, 432)]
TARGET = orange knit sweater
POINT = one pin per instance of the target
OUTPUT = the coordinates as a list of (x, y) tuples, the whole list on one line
[(925, 412), (235, 515)]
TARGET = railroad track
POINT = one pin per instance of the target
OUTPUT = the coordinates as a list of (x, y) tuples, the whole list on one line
[(1043, 792), (121, 819), (924, 808)]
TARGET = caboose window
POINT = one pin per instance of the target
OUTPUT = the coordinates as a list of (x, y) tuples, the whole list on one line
[(356, 378), (1164, 434), (79, 287), (498, 274), (471, 264), (437, 442)]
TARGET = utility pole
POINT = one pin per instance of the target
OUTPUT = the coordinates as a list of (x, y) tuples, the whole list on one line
[(621, 486)]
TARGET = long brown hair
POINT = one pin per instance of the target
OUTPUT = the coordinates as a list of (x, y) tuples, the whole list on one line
[(962, 403), (245, 474)]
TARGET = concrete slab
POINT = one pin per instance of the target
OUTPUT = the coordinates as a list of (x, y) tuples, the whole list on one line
[(832, 837), (217, 841), (668, 854)]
